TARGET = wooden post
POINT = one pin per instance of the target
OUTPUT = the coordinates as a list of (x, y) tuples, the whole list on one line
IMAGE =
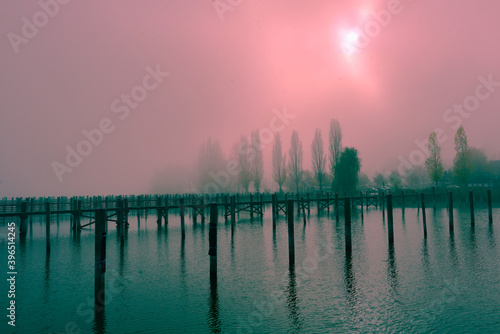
[(317, 197), (361, 202), (165, 211), (308, 205), (226, 206), (298, 204), (47, 226), (78, 216), (24, 217), (303, 210), (72, 206), (450, 210), (202, 210), (100, 258), (273, 209), (418, 203), (490, 208), (471, 202), (183, 227), (212, 240), (390, 221), (251, 206), (233, 212), (424, 217), (291, 239), (328, 203), (158, 210), (382, 200), (125, 213), (194, 202), (119, 218), (336, 206), (347, 230), (403, 200)]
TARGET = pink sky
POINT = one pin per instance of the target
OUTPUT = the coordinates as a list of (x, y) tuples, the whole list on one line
[(225, 78)]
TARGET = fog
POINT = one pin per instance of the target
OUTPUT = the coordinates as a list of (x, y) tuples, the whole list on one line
[(199, 71)]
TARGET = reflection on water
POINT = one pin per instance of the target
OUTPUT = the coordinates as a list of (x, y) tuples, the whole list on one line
[(350, 282), (214, 322), (392, 271), (376, 288), (292, 302), (99, 326)]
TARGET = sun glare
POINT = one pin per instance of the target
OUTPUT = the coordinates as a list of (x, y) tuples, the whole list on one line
[(348, 42)]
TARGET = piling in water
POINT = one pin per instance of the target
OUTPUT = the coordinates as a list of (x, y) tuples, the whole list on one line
[(361, 203), (390, 220), (450, 210), (336, 206), (303, 210), (471, 202), (183, 226), (251, 206), (120, 219), (291, 239), (158, 210), (233, 212), (212, 241), (318, 207), (490, 209), (47, 226), (165, 211), (24, 217), (347, 230), (424, 217), (100, 259)]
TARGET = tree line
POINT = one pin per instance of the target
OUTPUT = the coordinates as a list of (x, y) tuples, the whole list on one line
[(469, 165), (245, 167)]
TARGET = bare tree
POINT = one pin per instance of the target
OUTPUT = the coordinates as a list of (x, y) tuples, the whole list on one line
[(241, 154), (434, 164), (257, 161), (295, 160), (461, 163), (335, 137), (279, 162), (318, 158)]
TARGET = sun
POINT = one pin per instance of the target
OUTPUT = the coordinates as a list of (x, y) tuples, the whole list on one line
[(349, 42)]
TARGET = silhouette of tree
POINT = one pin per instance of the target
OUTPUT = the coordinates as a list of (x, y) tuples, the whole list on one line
[(335, 140), (295, 160), (434, 163), (461, 162), (257, 161), (279, 162), (347, 171), (241, 153), (318, 158)]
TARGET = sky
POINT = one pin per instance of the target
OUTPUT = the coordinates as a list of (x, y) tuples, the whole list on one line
[(157, 78)]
